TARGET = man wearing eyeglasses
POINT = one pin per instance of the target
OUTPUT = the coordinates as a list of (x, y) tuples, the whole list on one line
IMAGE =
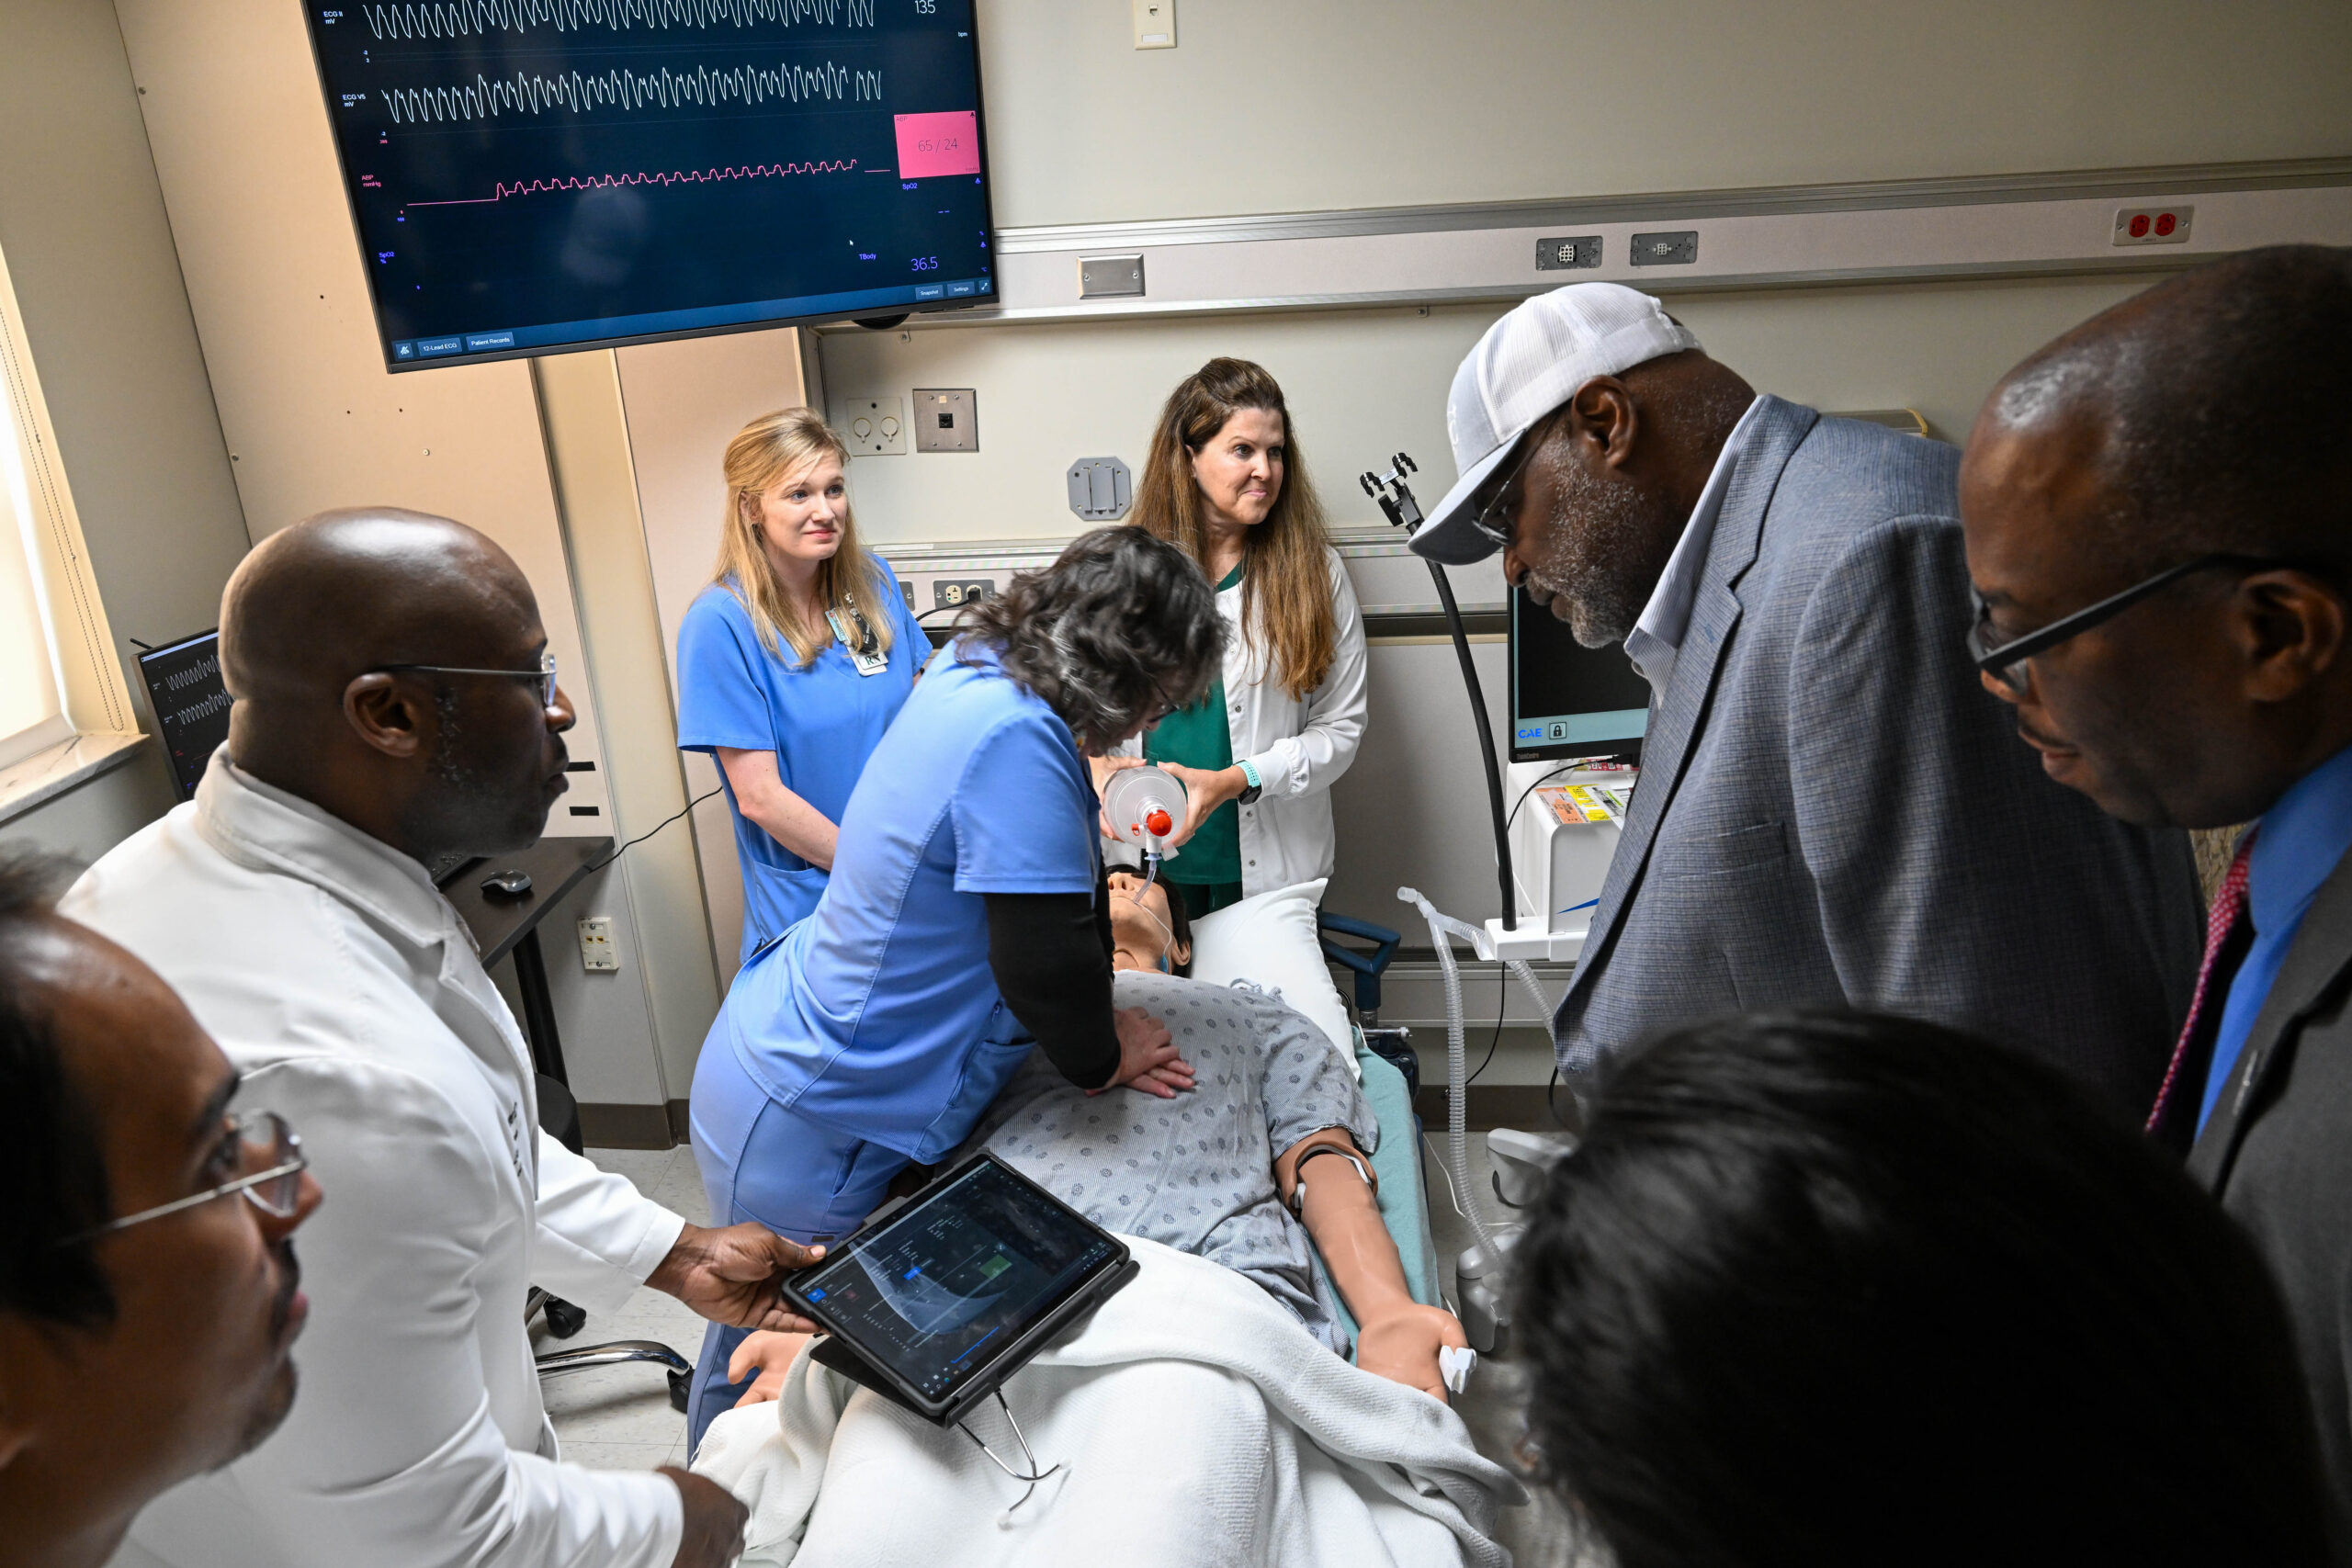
[(395, 710), (2156, 521), (1830, 811), (149, 1297)]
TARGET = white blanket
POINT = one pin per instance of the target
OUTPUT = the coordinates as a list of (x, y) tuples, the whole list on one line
[(1198, 1423)]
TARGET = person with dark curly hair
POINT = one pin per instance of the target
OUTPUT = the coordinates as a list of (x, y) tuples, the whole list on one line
[(1832, 1289), (966, 921)]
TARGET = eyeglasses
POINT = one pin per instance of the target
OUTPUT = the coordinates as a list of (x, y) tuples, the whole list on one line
[(268, 1152), (1168, 706), (1485, 520), (2005, 662), (543, 675)]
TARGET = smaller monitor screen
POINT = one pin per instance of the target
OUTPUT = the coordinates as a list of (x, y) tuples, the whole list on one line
[(1567, 700), (962, 1272), (191, 705)]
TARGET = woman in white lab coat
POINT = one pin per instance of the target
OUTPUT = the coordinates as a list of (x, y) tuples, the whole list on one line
[(1259, 754)]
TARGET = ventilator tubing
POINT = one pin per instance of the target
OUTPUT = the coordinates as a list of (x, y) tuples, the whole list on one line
[(1457, 1066), (1144, 807)]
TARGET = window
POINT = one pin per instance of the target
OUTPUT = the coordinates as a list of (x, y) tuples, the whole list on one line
[(64, 709)]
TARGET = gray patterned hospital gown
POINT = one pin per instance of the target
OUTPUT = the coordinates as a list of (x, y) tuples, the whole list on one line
[(1196, 1173)]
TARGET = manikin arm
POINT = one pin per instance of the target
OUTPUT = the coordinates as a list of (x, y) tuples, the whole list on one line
[(1396, 1336)]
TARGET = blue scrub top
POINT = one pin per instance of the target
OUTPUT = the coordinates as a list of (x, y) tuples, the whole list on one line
[(821, 723), (878, 1015)]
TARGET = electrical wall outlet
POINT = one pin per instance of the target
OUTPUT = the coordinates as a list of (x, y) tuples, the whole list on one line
[(873, 427), (2153, 225), (946, 420), (946, 592), (599, 953), (1155, 24)]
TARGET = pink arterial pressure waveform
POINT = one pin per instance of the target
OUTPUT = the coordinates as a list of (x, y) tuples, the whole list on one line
[(476, 19), (621, 88), (673, 178)]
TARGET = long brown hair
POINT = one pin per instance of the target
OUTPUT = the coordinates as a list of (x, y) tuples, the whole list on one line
[(1287, 576), (762, 452)]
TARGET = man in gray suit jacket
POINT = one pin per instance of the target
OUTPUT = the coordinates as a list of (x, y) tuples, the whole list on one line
[(1829, 810), (2157, 510)]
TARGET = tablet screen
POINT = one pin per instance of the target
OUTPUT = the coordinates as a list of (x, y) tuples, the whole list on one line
[(932, 1293)]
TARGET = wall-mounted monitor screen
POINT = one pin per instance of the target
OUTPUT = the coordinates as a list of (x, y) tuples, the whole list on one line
[(530, 176), (1567, 700)]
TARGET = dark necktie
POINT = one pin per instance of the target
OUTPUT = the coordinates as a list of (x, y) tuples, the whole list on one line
[(2228, 933)]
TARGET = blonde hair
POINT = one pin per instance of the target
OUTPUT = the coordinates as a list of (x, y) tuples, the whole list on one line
[(763, 452), (1286, 577)]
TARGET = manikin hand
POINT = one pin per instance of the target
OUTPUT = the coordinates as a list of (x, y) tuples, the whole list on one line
[(1402, 1346), (734, 1276), (1205, 789), (1148, 1059), (714, 1533), (772, 1355)]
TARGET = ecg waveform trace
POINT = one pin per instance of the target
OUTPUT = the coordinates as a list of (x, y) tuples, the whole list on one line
[(624, 89), (476, 19), (671, 178), (202, 669)]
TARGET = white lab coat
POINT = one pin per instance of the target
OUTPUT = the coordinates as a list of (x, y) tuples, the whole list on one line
[(345, 990), (1299, 748)]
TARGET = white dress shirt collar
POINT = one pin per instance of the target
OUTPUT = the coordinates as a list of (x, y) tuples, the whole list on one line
[(1657, 636), (260, 824)]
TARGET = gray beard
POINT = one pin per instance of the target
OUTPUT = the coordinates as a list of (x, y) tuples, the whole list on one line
[(1600, 537)]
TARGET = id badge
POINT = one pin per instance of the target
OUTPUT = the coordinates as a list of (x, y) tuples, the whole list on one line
[(868, 662)]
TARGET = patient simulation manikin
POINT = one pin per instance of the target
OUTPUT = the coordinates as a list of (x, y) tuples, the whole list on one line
[(1212, 1172)]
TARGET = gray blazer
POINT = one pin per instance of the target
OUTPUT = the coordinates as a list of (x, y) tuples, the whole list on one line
[(1833, 810), (2278, 1152)]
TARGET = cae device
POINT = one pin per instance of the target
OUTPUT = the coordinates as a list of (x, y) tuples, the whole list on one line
[(1567, 700)]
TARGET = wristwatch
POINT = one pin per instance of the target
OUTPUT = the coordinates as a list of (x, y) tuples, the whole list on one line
[(1257, 785)]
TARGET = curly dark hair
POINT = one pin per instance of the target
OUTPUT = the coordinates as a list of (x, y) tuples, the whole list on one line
[(1839, 1289), (52, 1169), (1120, 628)]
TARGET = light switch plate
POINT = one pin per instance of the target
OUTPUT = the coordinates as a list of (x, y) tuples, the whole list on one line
[(1155, 24), (946, 420), (873, 427), (598, 952)]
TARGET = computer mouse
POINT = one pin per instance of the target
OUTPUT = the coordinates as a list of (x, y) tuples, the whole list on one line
[(507, 883)]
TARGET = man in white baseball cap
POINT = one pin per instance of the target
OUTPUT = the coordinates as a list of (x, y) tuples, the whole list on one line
[(1832, 808)]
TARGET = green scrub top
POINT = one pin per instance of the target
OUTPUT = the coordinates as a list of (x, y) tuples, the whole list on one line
[(1208, 869)]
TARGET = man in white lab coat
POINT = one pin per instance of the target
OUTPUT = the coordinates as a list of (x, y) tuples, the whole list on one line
[(395, 708)]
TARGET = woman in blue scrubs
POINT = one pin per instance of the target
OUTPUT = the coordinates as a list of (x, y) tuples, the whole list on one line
[(966, 923), (792, 662)]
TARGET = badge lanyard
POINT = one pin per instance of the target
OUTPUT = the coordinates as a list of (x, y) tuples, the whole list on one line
[(864, 649)]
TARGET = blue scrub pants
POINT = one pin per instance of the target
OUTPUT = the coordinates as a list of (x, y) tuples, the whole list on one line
[(802, 1180)]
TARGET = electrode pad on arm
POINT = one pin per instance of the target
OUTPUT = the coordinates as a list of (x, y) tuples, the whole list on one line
[(935, 1301)]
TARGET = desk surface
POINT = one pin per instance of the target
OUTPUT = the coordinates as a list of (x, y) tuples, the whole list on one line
[(555, 867)]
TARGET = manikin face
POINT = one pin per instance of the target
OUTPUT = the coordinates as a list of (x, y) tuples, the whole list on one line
[(800, 516), (1240, 469), (1141, 932)]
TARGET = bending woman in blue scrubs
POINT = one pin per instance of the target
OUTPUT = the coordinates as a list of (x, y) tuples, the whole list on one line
[(966, 922), (792, 662)]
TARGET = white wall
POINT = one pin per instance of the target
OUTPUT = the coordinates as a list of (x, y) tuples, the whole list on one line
[(107, 319), (1312, 105)]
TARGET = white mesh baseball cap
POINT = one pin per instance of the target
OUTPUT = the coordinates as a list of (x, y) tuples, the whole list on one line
[(1528, 364)]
